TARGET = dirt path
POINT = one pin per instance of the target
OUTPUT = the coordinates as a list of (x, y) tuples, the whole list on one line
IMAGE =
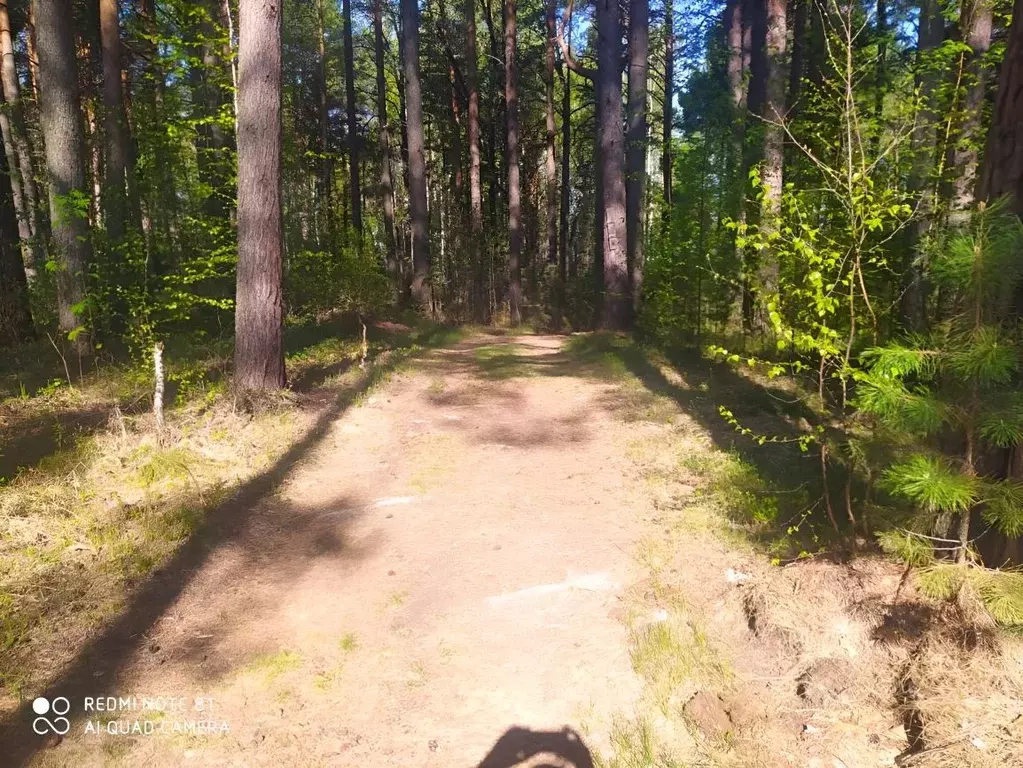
[(449, 562)]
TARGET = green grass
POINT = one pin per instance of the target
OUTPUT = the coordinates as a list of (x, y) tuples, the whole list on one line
[(634, 744), (167, 464), (94, 518), (602, 354), (503, 361), (349, 642), (417, 675), (328, 678), (271, 666)]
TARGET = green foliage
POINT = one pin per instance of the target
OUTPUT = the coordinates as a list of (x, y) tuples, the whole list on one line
[(1004, 507), (907, 547), (1001, 592), (933, 484), (963, 377), (320, 282)]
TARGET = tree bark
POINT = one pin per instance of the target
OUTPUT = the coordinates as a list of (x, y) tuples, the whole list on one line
[(735, 67), (19, 152), (798, 60), (923, 146), (386, 183), (1003, 159), (418, 211), (324, 166), (511, 98), (31, 51), (353, 122), (481, 306), (774, 141), (15, 315), (636, 138), (616, 312), (208, 81), (668, 108), (551, 161), (60, 118), (498, 114), (975, 24), (566, 168), (881, 68), (115, 199), (259, 312)]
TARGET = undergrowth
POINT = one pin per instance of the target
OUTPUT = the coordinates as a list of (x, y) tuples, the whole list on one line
[(96, 515)]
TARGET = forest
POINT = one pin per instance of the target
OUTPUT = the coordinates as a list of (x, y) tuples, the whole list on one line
[(820, 197)]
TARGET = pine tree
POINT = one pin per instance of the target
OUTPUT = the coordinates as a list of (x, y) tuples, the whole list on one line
[(962, 378), (259, 313)]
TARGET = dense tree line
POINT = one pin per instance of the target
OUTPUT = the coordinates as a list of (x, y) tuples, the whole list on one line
[(826, 192)]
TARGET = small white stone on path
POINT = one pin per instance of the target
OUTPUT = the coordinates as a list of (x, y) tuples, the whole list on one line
[(733, 576), (393, 501), (592, 582)]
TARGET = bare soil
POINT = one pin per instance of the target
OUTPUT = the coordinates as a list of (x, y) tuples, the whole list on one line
[(494, 560)]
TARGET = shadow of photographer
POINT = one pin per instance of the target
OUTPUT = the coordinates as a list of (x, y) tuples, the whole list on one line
[(518, 745)]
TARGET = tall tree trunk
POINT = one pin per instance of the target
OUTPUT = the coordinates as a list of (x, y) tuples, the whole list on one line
[(566, 168), (798, 61), (481, 304), (353, 122), (551, 161), (739, 36), (735, 67), (402, 111), (497, 115), (19, 152), (774, 142), (1003, 159), (32, 51), (259, 312), (617, 305), (418, 211), (324, 166), (923, 145), (386, 184), (115, 133), (668, 107), (60, 116), (15, 315), (214, 162), (511, 98), (636, 138), (975, 24), (880, 68), (455, 203)]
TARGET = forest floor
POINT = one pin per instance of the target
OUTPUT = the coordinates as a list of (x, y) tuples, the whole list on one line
[(530, 550)]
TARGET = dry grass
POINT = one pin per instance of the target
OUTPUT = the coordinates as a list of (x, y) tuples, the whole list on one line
[(84, 526), (820, 649)]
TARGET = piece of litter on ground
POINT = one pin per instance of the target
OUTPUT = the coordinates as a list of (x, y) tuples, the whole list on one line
[(660, 615), (978, 743), (733, 576), (452, 417), (394, 500), (593, 582), (808, 728), (418, 421)]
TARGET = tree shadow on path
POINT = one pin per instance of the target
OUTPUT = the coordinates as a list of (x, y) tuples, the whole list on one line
[(98, 664)]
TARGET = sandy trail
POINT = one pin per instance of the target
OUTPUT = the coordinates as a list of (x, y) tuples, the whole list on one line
[(448, 563)]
